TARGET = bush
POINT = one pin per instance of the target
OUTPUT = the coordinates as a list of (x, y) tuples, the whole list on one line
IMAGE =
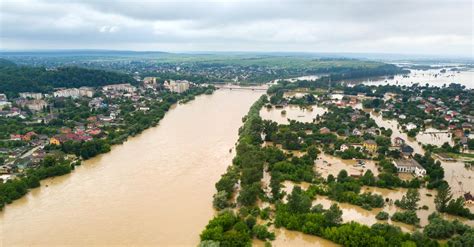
[(262, 233), (407, 217), (382, 215), (220, 200)]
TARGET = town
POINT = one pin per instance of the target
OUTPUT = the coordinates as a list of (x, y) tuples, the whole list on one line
[(71, 124)]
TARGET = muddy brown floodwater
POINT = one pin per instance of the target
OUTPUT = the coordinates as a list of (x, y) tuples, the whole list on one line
[(293, 112), (155, 189), (460, 179)]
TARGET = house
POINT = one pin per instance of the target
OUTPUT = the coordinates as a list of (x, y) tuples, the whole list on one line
[(372, 131), (54, 141), (409, 166), (411, 126), (28, 136), (97, 103), (458, 133), (15, 137), (5, 104), (466, 126), (370, 145), (356, 132), (65, 130), (5, 169), (94, 131), (344, 147), (468, 198), (406, 150), (399, 141), (92, 119), (58, 139), (324, 130)]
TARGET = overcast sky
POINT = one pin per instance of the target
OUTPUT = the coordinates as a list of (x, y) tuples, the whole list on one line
[(389, 26)]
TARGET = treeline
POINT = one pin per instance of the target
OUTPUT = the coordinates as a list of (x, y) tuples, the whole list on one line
[(338, 74), (247, 168), (230, 230), (363, 72), (15, 79)]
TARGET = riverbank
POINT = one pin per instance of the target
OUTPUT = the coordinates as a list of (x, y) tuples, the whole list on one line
[(64, 156), (153, 189)]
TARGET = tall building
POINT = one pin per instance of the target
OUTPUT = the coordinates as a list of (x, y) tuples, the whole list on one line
[(33, 105), (177, 86), (75, 92), (27, 95), (125, 87)]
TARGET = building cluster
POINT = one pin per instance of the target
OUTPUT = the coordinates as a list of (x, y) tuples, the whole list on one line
[(178, 86), (437, 113), (119, 90), (4, 103)]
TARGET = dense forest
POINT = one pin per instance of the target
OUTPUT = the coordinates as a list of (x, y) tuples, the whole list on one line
[(15, 79)]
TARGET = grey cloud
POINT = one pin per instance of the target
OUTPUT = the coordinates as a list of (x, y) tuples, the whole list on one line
[(340, 25)]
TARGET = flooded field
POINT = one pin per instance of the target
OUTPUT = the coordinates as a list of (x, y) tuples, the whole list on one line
[(432, 77), (327, 164), (291, 112), (434, 137)]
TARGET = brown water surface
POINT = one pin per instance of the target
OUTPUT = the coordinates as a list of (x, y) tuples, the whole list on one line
[(155, 189)]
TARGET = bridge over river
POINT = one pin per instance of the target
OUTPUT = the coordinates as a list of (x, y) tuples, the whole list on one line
[(237, 87)]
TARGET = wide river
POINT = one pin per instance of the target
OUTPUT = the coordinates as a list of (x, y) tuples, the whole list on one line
[(155, 189)]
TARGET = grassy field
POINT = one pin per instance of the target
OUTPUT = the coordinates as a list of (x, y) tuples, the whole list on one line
[(267, 61)]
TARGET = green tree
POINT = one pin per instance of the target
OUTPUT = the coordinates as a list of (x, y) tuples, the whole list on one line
[(333, 216), (442, 198), (220, 200), (409, 200), (298, 201)]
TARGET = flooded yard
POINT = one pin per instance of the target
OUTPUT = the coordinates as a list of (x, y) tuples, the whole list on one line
[(292, 112), (327, 164), (434, 137)]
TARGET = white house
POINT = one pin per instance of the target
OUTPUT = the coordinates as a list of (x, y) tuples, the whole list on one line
[(409, 166), (411, 126), (344, 147)]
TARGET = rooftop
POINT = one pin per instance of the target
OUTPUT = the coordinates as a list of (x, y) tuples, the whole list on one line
[(407, 163)]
